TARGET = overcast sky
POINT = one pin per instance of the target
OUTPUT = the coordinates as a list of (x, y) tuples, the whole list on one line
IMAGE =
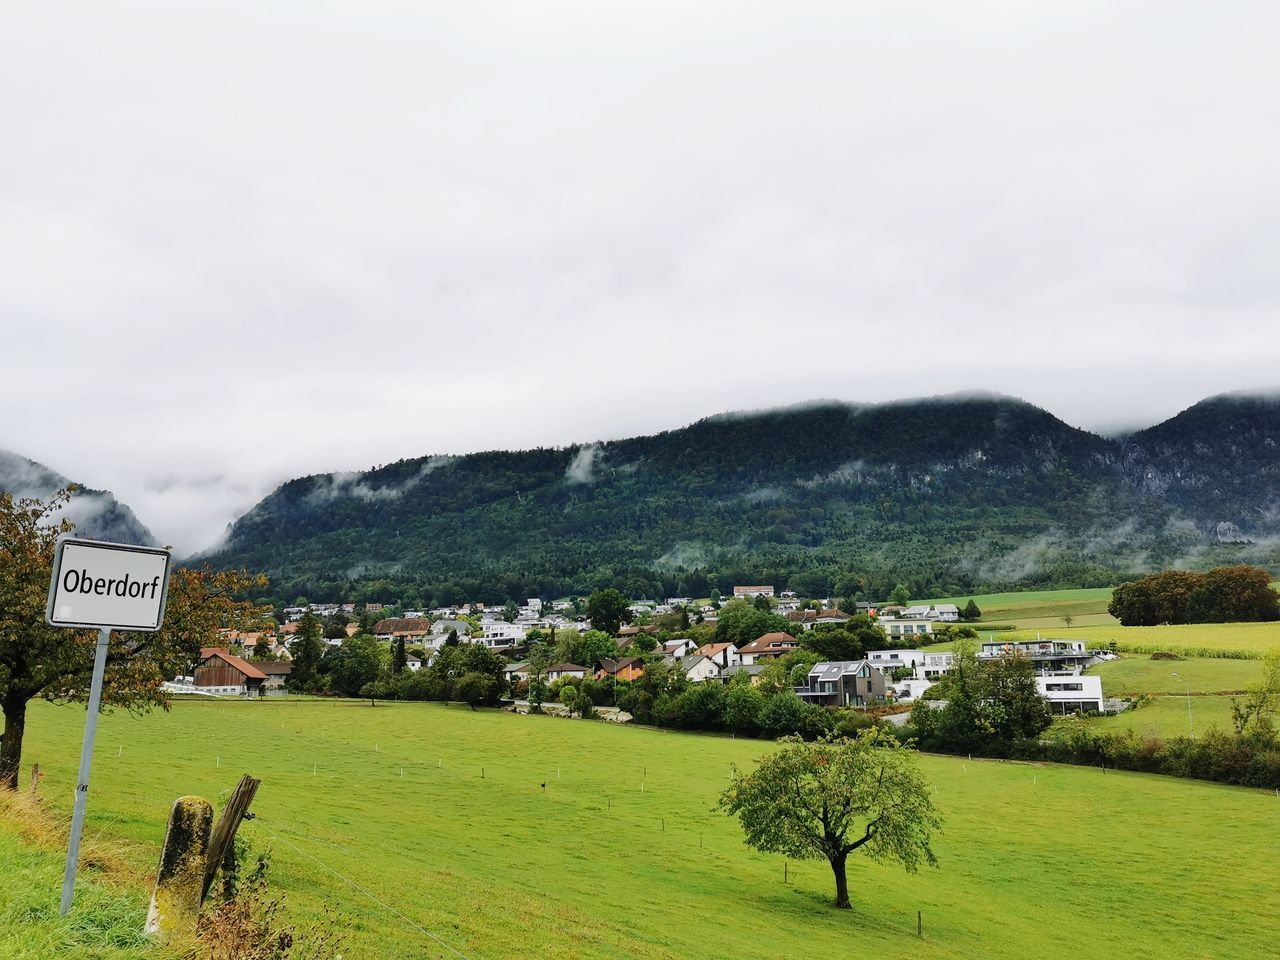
[(241, 242)]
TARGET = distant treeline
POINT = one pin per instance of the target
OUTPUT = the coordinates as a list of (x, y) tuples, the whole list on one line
[(1236, 594)]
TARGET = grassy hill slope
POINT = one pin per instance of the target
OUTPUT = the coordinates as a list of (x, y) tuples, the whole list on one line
[(439, 814)]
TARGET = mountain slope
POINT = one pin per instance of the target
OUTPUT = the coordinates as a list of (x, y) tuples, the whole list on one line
[(97, 513), (1219, 461), (949, 494)]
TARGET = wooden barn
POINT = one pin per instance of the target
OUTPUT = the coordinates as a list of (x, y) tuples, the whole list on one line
[(219, 672)]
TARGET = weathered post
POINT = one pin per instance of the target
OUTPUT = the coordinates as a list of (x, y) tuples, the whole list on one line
[(222, 842), (175, 901)]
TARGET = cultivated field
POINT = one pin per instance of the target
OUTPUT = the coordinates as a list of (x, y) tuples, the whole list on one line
[(620, 856), (1039, 609)]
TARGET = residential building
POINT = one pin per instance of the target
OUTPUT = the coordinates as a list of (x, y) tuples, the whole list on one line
[(889, 660), (751, 670), (1071, 694), (899, 627), (844, 683), (769, 647), (623, 668), (559, 671), (723, 654), (699, 669), (1048, 656), (276, 672), (760, 591), (412, 629)]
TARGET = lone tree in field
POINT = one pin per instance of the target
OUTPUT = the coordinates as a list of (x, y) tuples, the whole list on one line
[(829, 798), (37, 660)]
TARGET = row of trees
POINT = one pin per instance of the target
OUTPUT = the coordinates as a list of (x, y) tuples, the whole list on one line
[(1235, 594)]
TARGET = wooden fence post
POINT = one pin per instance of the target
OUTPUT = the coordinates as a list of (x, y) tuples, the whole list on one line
[(222, 844)]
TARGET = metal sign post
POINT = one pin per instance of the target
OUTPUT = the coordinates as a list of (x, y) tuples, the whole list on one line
[(104, 586), (86, 761)]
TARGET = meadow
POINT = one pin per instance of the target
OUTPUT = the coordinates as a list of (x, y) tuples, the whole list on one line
[(404, 821), (1042, 613)]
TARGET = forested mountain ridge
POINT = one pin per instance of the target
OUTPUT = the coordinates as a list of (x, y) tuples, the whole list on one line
[(948, 494), (97, 513)]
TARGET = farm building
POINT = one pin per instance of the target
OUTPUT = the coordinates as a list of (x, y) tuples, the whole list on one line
[(219, 672)]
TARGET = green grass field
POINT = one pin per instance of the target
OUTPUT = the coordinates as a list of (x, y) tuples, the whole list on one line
[(1042, 611), (106, 924), (1134, 673), (1166, 717), (1039, 609), (468, 845)]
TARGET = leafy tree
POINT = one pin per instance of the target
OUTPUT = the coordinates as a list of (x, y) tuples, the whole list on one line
[(333, 630), (262, 648), (740, 623), (971, 612), (451, 638), (761, 603), (901, 595), (358, 661), (1012, 706), (1255, 715), (37, 660), (847, 642), (510, 612), (827, 799), (473, 688), (306, 650), (608, 610), (1238, 594), (742, 706), (588, 649)]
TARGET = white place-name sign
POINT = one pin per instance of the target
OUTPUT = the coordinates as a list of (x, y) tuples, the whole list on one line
[(108, 585)]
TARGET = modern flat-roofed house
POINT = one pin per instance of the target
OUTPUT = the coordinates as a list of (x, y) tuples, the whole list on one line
[(890, 660), (897, 627), (1071, 694), (1048, 656), (217, 671), (769, 647), (843, 683), (760, 591)]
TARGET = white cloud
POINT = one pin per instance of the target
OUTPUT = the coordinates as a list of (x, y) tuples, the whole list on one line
[(244, 243)]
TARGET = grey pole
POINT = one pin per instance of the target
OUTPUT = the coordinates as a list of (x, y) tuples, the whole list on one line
[(86, 760), (1191, 722)]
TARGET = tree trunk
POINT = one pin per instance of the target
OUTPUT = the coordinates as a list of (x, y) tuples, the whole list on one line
[(842, 881), (15, 724)]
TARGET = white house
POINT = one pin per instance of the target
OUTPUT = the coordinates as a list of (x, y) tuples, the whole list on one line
[(902, 627), (699, 668), (887, 661), (1071, 694), (558, 671), (679, 648), (413, 661), (946, 612)]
